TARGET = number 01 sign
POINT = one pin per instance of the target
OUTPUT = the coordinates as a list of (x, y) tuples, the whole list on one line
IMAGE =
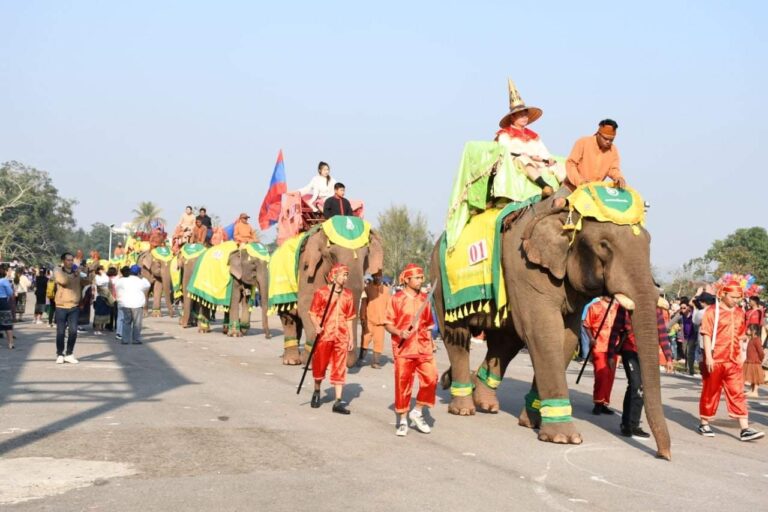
[(478, 252)]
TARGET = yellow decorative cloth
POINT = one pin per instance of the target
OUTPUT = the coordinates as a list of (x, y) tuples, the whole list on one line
[(283, 275), (607, 203), (211, 281), (347, 231)]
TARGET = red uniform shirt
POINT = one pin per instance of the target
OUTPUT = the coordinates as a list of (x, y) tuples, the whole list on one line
[(593, 320), (401, 310), (340, 312), (731, 327)]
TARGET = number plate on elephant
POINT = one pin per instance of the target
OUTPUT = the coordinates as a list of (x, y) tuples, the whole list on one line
[(478, 252)]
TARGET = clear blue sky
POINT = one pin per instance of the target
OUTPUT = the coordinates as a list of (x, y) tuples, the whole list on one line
[(189, 102)]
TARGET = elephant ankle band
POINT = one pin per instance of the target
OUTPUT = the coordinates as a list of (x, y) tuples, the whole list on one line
[(556, 410), (488, 378), (461, 388)]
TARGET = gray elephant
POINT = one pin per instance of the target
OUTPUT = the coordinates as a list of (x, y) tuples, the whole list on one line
[(156, 268), (317, 254), (555, 260)]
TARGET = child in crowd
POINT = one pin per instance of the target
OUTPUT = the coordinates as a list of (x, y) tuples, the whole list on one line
[(753, 366)]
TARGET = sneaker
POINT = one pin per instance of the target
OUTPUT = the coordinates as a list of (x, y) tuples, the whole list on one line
[(750, 434), (402, 429), (706, 431), (315, 402), (340, 408), (59, 359), (119, 336), (417, 421), (639, 433), (71, 359), (626, 431), (601, 409), (81, 329)]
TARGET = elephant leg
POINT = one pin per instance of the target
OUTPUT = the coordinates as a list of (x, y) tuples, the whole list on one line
[(353, 354), (186, 313), (245, 316), (168, 291), (203, 320), (291, 333), (265, 318), (530, 416), (225, 325), (502, 348), (157, 293), (457, 346), (546, 346)]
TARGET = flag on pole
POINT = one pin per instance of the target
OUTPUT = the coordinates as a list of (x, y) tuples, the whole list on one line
[(270, 207)]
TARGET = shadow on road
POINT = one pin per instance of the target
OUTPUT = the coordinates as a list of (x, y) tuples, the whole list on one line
[(145, 375)]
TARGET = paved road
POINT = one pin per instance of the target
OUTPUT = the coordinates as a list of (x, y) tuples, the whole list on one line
[(206, 422)]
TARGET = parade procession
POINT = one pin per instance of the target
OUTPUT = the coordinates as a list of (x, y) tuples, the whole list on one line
[(446, 307)]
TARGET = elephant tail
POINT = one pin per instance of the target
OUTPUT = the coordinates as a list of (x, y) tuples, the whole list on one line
[(446, 378)]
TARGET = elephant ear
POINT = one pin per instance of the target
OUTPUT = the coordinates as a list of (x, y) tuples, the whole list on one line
[(546, 244), (236, 265), (314, 248), (146, 260), (375, 258)]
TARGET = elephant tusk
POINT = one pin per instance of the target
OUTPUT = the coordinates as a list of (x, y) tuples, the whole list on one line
[(625, 301)]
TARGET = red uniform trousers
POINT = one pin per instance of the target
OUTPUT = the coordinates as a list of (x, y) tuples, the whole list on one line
[(726, 376), (333, 352), (404, 370), (376, 333), (604, 377)]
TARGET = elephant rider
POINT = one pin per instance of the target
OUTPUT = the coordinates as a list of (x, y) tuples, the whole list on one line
[(334, 337), (319, 187), (244, 233), (119, 250), (604, 372), (199, 232), (373, 311), (186, 224), (412, 349), (156, 238), (595, 157), (524, 144), (337, 204), (722, 330), (206, 220), (622, 341)]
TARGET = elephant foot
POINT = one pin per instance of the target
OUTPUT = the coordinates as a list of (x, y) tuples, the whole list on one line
[(238, 333), (560, 433), (225, 329), (155, 314), (529, 420), (462, 406), (242, 333), (291, 356), (267, 334), (230, 334), (485, 398)]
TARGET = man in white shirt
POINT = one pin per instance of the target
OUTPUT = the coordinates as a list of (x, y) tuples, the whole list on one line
[(131, 298)]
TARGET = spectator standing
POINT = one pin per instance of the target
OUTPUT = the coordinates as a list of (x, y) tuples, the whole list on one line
[(69, 284), (131, 295), (753, 365), (6, 303), (41, 290)]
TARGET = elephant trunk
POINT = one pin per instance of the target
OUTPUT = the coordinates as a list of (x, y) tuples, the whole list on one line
[(644, 324)]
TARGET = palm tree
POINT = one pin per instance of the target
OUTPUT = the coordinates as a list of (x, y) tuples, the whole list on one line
[(146, 214)]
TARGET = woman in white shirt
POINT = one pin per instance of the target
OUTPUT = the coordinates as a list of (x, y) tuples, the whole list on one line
[(319, 188)]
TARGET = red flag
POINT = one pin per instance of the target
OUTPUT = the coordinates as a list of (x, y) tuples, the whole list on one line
[(270, 207)]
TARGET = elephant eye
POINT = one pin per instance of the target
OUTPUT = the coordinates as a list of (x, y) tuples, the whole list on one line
[(604, 245)]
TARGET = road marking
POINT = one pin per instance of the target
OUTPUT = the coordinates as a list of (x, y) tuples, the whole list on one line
[(469, 454)]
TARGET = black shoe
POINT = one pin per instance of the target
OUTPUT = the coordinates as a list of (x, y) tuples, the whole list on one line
[(748, 434), (605, 410), (626, 431), (639, 433), (315, 402), (338, 407), (597, 409)]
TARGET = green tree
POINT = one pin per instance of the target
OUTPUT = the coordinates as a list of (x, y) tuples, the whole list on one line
[(147, 213), (35, 222), (689, 277), (744, 252), (405, 238)]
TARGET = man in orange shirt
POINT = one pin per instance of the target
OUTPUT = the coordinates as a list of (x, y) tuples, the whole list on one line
[(605, 374), (244, 233), (373, 312), (722, 330), (594, 158), (334, 338), (412, 350)]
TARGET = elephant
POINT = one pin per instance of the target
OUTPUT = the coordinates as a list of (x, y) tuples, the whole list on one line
[(190, 308), (248, 272), (550, 273), (317, 256), (158, 272), (247, 268)]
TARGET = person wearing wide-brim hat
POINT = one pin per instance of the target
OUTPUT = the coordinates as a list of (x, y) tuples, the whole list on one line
[(524, 144), (243, 232)]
